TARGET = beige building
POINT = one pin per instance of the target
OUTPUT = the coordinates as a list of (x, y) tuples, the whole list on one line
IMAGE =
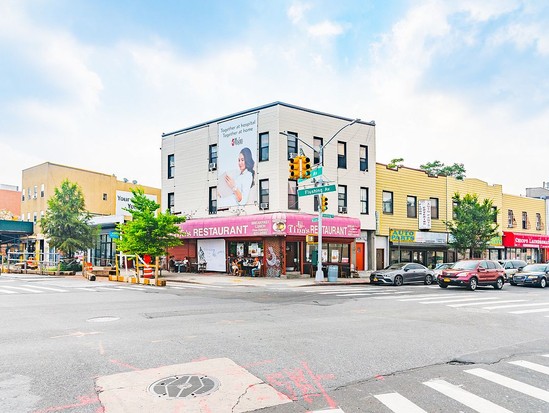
[(105, 197)]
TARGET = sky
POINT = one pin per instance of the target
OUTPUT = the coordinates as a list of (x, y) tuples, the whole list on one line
[(94, 83)]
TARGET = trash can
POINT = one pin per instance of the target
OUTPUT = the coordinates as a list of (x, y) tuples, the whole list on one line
[(332, 273)]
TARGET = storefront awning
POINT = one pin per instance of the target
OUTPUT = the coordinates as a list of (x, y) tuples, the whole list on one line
[(518, 240), (275, 224)]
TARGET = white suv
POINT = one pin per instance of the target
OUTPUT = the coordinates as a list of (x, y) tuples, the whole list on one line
[(511, 267)]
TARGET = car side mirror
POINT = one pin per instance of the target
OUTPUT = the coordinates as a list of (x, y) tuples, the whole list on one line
[(481, 269), (406, 269), (520, 269)]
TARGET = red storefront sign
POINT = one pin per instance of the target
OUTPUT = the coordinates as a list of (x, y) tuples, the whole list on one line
[(269, 225), (515, 239)]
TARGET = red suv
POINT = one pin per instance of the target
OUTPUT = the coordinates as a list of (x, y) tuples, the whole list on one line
[(472, 273)]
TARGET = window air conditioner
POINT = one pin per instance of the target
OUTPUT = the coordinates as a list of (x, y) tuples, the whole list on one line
[(342, 209), (264, 205), (213, 166)]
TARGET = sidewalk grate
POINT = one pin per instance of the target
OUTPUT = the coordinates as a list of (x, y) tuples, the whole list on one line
[(184, 386)]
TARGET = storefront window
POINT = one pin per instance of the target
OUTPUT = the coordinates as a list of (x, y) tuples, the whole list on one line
[(245, 249), (331, 253)]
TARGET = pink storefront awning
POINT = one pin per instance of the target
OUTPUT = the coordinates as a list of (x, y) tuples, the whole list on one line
[(275, 224)]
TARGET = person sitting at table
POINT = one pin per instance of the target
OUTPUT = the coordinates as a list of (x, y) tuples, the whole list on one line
[(257, 267), (186, 265), (234, 267)]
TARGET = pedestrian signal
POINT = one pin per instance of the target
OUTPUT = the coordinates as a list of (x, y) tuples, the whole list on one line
[(323, 203)]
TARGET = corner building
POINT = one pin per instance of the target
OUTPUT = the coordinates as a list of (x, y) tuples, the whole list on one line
[(230, 178)]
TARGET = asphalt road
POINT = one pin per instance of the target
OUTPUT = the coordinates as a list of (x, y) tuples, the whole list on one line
[(69, 345)]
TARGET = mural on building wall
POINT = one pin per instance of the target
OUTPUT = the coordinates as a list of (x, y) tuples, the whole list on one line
[(236, 162), (274, 257)]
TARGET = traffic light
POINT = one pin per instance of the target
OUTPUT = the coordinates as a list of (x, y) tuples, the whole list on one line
[(306, 168), (323, 203), (295, 168)]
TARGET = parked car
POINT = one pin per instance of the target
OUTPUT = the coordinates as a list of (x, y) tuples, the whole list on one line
[(472, 273), (532, 274), (511, 267), (403, 272), (442, 266)]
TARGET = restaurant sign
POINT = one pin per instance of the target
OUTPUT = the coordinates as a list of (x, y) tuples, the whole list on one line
[(269, 225)]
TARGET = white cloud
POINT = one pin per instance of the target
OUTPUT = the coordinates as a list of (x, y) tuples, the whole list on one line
[(325, 28), (297, 10)]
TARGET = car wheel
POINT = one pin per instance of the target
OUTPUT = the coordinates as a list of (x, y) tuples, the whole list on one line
[(443, 285), (543, 283), (499, 284), (398, 280), (428, 279), (473, 284)]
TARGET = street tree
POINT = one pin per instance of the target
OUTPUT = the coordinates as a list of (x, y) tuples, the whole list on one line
[(473, 225), (66, 222), (437, 168), (148, 232)]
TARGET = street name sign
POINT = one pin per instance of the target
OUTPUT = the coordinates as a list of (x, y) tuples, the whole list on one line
[(327, 215), (314, 173), (316, 190)]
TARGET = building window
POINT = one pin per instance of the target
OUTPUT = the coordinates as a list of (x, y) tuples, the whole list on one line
[(495, 212), (104, 197), (28, 216), (35, 191), (387, 202), (171, 166), (34, 217), (213, 200), (434, 208), (317, 144), (263, 194), (411, 206), (524, 220), (293, 200), (29, 195), (363, 158), (292, 145), (538, 222), (454, 209), (42, 190), (342, 199), (213, 158), (510, 218), (23, 196), (264, 146), (171, 201), (342, 155), (364, 194)]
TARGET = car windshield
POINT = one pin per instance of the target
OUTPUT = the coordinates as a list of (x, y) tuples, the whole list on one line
[(396, 266), (465, 265), (535, 267), (443, 266)]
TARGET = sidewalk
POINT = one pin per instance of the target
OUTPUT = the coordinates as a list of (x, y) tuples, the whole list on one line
[(220, 278)]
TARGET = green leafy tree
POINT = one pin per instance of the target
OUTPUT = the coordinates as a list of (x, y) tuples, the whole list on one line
[(395, 163), (474, 224), (437, 168), (66, 222), (148, 233)]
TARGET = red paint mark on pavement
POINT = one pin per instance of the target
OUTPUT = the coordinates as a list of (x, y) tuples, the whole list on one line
[(277, 380), (316, 380), (199, 359), (119, 363), (379, 377), (82, 401)]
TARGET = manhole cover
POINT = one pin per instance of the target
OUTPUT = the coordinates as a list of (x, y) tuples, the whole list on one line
[(102, 319), (184, 386)]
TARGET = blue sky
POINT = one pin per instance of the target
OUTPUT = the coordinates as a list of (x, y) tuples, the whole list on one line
[(94, 84)]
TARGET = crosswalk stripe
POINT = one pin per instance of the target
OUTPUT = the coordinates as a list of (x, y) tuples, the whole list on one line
[(8, 291), (511, 384), (51, 289), (422, 296), (481, 303), (532, 366), (398, 403), (464, 397), (545, 355), (457, 300), (497, 307), (537, 310), (30, 290), (130, 288), (433, 297)]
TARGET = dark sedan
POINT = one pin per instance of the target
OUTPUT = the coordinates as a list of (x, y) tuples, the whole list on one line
[(532, 275)]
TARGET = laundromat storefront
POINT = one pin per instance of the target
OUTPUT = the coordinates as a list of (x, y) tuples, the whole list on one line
[(277, 238), (528, 247)]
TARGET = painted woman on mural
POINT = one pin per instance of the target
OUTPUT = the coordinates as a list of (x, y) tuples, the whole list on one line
[(241, 184)]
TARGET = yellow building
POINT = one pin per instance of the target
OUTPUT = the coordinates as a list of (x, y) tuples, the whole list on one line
[(412, 209), (105, 197)]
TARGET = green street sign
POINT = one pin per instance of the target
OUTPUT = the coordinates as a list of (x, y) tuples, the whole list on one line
[(315, 219), (327, 215), (317, 190), (314, 173)]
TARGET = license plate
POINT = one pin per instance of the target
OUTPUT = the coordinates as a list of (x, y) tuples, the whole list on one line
[(446, 280), (375, 279)]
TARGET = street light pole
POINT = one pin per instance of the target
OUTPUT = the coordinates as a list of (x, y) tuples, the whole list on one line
[(319, 276)]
